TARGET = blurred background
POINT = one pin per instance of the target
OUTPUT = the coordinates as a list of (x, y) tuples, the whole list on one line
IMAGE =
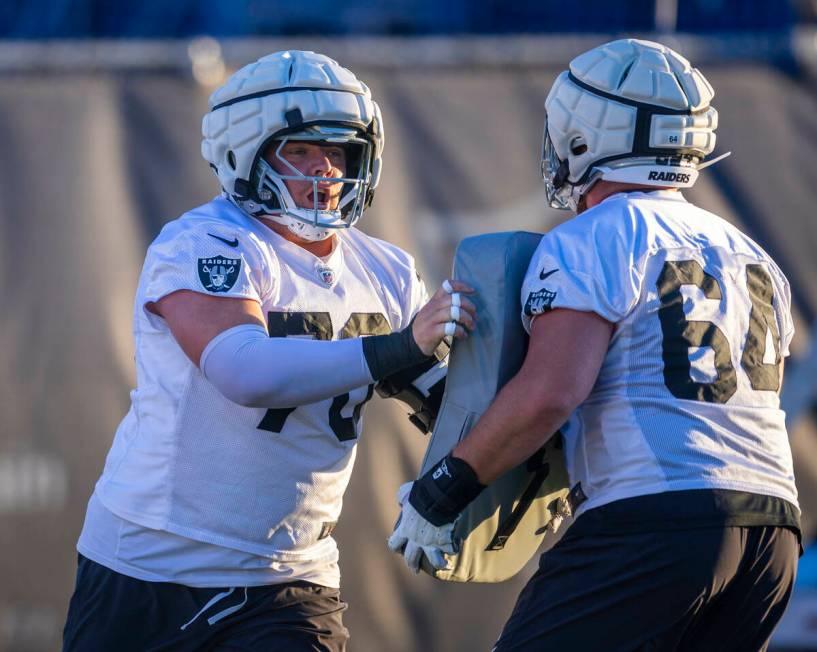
[(100, 110)]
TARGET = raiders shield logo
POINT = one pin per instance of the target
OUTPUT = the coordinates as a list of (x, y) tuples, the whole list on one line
[(218, 274), (539, 302), (327, 275)]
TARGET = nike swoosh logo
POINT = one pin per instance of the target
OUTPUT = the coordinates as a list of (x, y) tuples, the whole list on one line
[(232, 243), (543, 274)]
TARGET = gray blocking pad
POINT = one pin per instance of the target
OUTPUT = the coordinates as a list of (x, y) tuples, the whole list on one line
[(504, 527)]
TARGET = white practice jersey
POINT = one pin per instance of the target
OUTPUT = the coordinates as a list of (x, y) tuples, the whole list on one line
[(687, 396), (188, 461)]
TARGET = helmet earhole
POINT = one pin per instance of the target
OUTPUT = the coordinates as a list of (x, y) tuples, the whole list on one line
[(578, 146), (231, 159)]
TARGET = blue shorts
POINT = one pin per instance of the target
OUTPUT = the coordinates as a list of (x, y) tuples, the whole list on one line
[(111, 611)]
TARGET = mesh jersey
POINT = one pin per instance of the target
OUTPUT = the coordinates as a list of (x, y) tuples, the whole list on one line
[(687, 395), (187, 460)]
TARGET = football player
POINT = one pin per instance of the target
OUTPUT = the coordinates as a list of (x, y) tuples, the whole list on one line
[(657, 337), (262, 322)]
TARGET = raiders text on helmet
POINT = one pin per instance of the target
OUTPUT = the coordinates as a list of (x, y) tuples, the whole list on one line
[(629, 111), (293, 95)]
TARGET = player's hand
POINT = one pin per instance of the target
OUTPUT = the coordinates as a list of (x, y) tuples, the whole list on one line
[(414, 536), (448, 313)]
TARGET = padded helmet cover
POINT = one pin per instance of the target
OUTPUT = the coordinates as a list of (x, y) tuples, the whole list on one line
[(281, 94), (631, 111)]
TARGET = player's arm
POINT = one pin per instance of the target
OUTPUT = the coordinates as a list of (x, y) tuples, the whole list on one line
[(565, 354), (227, 339), (195, 319)]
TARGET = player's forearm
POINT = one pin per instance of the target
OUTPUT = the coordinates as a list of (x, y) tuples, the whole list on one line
[(517, 424), (553, 381), (254, 370), (510, 431)]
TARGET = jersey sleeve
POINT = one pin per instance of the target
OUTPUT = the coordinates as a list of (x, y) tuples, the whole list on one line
[(590, 264), (396, 273), (411, 293), (418, 293), (208, 258), (783, 310)]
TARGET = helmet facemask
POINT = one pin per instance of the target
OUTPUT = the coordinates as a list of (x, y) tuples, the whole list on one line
[(294, 95), (561, 193), (314, 222), (554, 173)]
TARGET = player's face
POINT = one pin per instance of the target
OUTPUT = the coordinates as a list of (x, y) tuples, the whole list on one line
[(311, 159)]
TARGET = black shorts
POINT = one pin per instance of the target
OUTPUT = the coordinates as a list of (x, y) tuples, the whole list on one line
[(110, 611), (716, 588)]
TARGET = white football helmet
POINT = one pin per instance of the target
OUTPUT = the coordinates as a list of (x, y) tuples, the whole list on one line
[(629, 111), (293, 95)]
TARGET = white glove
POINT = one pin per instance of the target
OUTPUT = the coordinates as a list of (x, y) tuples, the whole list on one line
[(414, 536)]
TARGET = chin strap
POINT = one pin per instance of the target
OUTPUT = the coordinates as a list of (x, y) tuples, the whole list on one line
[(302, 229)]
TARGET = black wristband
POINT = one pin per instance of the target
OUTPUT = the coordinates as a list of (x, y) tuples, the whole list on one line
[(388, 354), (445, 490)]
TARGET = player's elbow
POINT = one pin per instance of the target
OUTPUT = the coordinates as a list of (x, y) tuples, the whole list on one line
[(233, 365), (244, 393), (551, 404)]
